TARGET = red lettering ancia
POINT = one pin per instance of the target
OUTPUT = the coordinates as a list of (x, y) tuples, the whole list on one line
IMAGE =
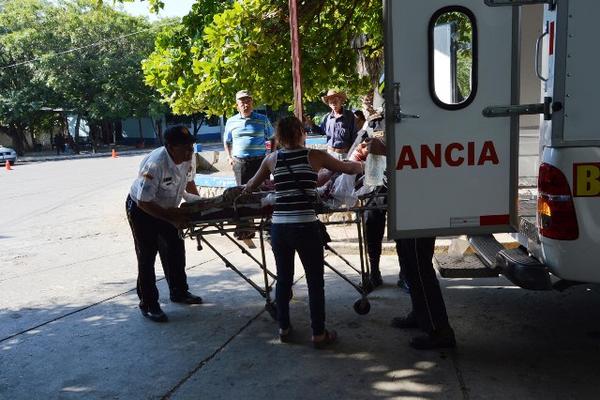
[(454, 155), (407, 158)]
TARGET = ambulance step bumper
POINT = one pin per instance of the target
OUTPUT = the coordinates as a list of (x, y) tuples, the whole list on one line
[(486, 247), (515, 264), (523, 270)]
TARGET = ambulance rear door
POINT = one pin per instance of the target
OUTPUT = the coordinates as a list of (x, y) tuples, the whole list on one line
[(451, 169)]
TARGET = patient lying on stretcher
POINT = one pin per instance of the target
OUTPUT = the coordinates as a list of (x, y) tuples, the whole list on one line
[(232, 204), (335, 190)]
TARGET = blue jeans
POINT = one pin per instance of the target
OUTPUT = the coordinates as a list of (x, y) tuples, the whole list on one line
[(304, 238)]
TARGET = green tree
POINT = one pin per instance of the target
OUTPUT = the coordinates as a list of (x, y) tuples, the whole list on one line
[(103, 82), (22, 89), (77, 64), (221, 47)]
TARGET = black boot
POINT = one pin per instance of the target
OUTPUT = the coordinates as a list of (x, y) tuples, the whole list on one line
[(407, 322), (376, 279), (439, 339)]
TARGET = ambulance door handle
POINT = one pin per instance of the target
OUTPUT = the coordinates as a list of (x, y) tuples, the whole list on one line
[(396, 110), (414, 116), (538, 55), (546, 108)]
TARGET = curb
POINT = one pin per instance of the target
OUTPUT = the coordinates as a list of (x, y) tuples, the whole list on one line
[(34, 159)]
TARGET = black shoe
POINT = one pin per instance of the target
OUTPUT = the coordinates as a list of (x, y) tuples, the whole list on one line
[(442, 339), (403, 285), (407, 322), (154, 313), (376, 279), (186, 298), (286, 335)]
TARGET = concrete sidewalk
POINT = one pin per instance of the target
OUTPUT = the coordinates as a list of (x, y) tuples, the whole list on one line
[(227, 348)]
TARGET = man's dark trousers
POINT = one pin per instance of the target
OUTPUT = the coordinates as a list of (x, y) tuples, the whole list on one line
[(427, 301), (245, 168), (374, 231), (152, 235)]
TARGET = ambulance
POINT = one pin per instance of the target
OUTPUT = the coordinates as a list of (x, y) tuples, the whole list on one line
[(493, 106)]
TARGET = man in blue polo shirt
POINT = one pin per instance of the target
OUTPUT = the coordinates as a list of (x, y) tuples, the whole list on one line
[(245, 136)]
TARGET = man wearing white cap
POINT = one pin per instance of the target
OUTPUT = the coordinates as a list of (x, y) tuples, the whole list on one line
[(245, 136)]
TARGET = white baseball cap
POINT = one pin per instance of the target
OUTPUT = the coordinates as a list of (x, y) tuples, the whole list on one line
[(242, 93)]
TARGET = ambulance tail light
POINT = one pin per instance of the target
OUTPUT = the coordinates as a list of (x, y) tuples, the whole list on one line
[(555, 209)]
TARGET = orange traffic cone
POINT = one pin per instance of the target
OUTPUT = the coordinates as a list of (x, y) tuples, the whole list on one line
[(114, 153), (7, 166)]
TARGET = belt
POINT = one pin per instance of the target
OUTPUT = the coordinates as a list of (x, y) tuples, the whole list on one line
[(249, 158), (336, 150)]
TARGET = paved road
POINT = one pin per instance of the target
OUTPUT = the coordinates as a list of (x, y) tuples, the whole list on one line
[(70, 328)]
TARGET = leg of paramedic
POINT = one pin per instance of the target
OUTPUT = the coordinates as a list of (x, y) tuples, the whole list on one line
[(428, 308), (374, 230)]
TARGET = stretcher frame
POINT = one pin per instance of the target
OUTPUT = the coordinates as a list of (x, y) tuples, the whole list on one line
[(201, 229)]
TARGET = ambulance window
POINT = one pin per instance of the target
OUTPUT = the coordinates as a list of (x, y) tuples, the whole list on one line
[(453, 57)]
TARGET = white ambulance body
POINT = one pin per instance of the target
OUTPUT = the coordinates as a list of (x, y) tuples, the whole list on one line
[(456, 162)]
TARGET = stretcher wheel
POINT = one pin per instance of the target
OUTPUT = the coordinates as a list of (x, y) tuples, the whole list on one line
[(362, 306), (272, 310)]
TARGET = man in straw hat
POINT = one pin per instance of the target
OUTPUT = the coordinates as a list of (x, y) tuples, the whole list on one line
[(339, 125)]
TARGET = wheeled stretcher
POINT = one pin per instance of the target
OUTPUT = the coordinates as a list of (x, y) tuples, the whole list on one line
[(237, 211)]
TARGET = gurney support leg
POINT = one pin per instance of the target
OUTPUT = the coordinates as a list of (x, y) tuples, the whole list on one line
[(229, 265), (269, 305)]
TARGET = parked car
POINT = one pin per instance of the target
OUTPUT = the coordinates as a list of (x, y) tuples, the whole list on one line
[(7, 154)]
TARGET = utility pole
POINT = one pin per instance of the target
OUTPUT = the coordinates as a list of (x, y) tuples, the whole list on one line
[(296, 60)]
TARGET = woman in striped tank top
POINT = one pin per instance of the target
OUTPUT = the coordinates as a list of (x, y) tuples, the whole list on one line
[(294, 225)]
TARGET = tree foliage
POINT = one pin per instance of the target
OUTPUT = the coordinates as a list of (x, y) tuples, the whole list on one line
[(21, 87), (225, 46), (100, 79)]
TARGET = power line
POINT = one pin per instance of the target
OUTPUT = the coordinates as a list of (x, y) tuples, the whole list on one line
[(98, 43)]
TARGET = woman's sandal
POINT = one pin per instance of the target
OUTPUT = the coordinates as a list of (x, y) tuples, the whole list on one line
[(329, 339), (285, 335)]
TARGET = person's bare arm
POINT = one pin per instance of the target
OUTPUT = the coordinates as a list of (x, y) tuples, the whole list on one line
[(227, 147), (192, 188), (319, 159), (262, 174), (173, 216)]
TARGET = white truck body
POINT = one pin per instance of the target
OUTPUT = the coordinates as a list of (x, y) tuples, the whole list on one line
[(454, 164)]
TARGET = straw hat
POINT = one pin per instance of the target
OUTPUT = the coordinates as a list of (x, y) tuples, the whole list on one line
[(334, 93)]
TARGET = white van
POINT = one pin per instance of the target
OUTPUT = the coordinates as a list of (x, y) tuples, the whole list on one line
[(455, 121)]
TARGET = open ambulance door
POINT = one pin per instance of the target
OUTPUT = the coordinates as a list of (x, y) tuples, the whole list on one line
[(452, 170)]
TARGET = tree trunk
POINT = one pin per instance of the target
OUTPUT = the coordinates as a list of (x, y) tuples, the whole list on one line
[(156, 128), (16, 132), (197, 121), (93, 135), (141, 133), (32, 136), (76, 133), (119, 130)]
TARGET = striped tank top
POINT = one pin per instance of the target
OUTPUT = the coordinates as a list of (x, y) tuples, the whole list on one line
[(291, 205)]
